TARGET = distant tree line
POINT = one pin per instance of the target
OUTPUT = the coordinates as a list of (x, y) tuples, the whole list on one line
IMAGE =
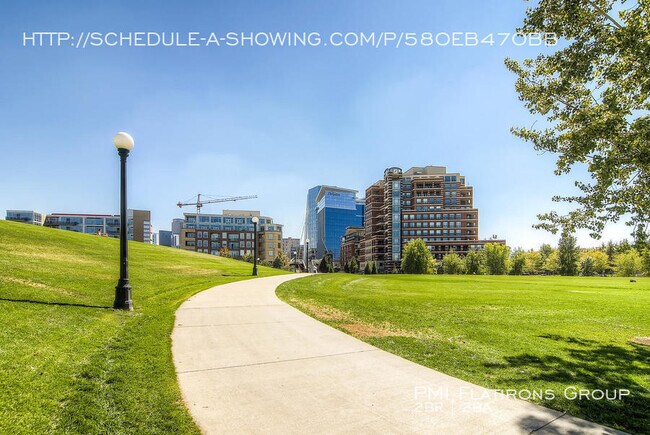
[(567, 259)]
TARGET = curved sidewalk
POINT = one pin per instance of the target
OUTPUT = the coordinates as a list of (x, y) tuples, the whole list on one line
[(249, 363)]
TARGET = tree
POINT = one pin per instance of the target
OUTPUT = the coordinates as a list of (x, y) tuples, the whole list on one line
[(587, 267), (475, 263), (568, 255), (373, 269), (224, 252), (596, 260), (545, 251), (517, 262), (623, 246), (281, 261), (645, 261), (593, 93), (552, 264), (628, 263), (534, 263), (452, 264), (496, 258), (354, 266), (366, 270), (640, 238), (346, 267), (325, 265), (610, 250), (417, 258)]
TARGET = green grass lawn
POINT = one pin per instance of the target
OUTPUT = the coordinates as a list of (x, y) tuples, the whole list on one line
[(523, 333), (68, 361)]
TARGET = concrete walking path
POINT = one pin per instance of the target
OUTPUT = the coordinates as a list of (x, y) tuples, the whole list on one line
[(249, 363)]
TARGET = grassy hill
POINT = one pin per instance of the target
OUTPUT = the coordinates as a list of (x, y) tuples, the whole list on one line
[(529, 334), (68, 361)]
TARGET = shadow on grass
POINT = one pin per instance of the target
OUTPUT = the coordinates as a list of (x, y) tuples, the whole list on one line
[(590, 365), (62, 304)]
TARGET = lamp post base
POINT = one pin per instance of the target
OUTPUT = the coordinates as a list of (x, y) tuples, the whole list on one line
[(255, 271), (123, 296)]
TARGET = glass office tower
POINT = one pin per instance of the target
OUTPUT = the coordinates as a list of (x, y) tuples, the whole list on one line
[(330, 210), (311, 220)]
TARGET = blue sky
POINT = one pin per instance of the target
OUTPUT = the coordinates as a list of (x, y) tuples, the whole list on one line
[(269, 121)]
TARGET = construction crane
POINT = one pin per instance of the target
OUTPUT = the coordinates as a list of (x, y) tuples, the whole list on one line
[(211, 200)]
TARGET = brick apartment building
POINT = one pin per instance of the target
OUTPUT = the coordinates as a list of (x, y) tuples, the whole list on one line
[(351, 244), (425, 203)]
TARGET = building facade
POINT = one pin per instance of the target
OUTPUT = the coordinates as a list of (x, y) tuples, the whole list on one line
[(139, 226), (232, 230), (425, 203), (290, 247), (351, 244), (165, 238), (138, 229), (102, 224), (330, 210), (177, 226), (26, 216)]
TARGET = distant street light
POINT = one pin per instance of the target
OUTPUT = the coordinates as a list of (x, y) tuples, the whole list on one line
[(255, 221), (307, 255), (124, 143)]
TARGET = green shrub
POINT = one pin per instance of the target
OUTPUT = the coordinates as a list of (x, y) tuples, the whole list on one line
[(417, 259), (452, 264), (474, 263), (628, 263), (496, 258), (517, 262)]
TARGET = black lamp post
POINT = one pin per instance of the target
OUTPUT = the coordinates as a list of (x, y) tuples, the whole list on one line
[(307, 255), (255, 221), (124, 143)]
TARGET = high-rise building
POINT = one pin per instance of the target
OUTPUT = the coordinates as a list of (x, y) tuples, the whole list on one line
[(425, 203), (177, 226), (290, 246), (311, 219), (139, 225), (26, 216), (233, 230), (165, 238), (351, 244), (330, 210)]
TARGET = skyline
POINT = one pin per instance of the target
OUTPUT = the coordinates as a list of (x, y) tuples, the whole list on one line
[(268, 121)]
